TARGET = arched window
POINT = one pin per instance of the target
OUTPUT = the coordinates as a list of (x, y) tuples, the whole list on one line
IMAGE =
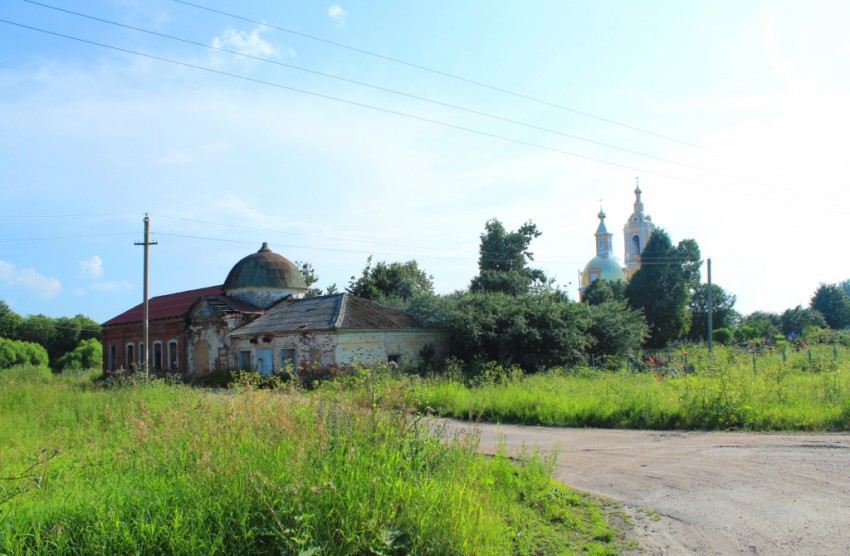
[(131, 355), (635, 245), (157, 355), (172, 355)]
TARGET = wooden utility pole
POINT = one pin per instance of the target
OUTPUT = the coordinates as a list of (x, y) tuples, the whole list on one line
[(146, 334), (710, 310)]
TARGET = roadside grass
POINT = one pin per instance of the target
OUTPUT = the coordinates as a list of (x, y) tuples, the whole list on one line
[(158, 468), (723, 392)]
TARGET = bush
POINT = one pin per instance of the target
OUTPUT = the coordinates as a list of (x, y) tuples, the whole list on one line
[(15, 352), (88, 354), (722, 336)]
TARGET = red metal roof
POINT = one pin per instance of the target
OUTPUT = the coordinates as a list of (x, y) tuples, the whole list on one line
[(164, 306)]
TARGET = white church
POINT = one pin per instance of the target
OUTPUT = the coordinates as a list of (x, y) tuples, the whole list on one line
[(605, 264)]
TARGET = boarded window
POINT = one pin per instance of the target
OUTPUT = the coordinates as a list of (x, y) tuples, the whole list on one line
[(244, 362), (288, 361)]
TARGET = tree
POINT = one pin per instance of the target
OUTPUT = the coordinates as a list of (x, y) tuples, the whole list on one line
[(688, 253), (833, 303), (660, 288), (533, 331), (799, 318), (87, 355), (387, 281), (759, 324), (9, 321), (723, 314), (58, 336), (308, 273), (615, 329), (602, 291), (503, 260)]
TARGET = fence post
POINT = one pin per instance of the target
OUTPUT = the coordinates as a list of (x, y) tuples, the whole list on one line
[(810, 356), (755, 371), (629, 361), (835, 352), (784, 354)]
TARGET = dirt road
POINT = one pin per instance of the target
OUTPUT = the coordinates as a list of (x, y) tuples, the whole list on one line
[(714, 493)]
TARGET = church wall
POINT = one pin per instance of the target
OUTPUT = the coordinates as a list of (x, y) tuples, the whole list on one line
[(319, 352), (162, 331)]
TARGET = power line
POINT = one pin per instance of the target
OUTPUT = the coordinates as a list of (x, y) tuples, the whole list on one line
[(409, 116), (51, 238), (419, 98), (508, 92)]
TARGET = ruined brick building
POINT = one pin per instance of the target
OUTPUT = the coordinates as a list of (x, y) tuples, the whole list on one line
[(259, 320)]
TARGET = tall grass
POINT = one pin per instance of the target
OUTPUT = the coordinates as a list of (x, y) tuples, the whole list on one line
[(725, 391), (165, 469)]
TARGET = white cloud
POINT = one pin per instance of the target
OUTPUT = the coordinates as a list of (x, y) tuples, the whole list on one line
[(337, 14), (44, 286), (93, 268), (246, 43), (111, 286)]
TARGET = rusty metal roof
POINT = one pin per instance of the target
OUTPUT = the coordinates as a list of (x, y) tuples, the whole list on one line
[(164, 306), (264, 269), (329, 312)]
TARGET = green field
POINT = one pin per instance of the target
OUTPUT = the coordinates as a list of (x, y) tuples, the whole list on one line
[(134, 468), (726, 391)]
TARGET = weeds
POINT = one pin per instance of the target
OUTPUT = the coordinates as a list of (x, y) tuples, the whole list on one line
[(160, 468)]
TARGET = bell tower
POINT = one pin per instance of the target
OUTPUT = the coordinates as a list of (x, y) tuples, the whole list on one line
[(636, 233)]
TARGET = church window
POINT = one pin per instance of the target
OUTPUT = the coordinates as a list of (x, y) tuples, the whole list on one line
[(142, 355), (157, 355), (636, 245), (172, 355), (113, 357), (131, 354)]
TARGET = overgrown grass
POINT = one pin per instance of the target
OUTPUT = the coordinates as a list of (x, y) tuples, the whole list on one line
[(158, 468), (722, 392)]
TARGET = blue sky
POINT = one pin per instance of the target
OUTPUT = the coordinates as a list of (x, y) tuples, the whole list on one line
[(755, 94)]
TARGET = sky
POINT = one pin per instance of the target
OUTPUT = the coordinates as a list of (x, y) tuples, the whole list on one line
[(336, 131)]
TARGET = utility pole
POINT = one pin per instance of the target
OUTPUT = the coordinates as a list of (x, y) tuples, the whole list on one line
[(710, 310), (146, 334)]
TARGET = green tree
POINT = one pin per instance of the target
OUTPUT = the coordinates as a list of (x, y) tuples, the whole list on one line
[(723, 314), (615, 330), (87, 355), (833, 303), (602, 291), (9, 321), (689, 255), (759, 324), (16, 352), (533, 331), (660, 289), (388, 281), (503, 260), (58, 336), (799, 318), (308, 273)]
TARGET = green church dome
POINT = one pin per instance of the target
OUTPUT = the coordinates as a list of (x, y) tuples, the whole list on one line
[(606, 267), (265, 269)]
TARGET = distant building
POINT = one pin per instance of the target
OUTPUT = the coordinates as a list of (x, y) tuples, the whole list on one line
[(605, 265), (259, 320)]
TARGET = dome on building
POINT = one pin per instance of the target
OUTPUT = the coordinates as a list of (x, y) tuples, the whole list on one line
[(264, 278), (607, 267)]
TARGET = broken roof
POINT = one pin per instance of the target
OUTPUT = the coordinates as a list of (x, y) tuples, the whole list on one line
[(329, 312), (164, 306)]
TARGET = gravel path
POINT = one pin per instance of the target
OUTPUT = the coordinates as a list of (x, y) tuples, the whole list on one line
[(714, 492)]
